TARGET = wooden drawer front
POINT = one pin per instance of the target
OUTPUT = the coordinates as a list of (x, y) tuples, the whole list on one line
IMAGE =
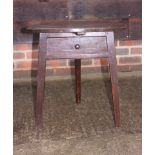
[(76, 47)]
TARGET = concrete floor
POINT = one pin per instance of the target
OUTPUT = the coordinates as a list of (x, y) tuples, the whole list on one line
[(84, 129)]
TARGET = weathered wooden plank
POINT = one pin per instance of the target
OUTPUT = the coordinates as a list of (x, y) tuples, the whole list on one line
[(27, 11), (135, 31), (32, 12), (104, 8)]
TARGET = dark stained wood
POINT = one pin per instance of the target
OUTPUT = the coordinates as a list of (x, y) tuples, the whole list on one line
[(105, 8), (26, 10), (78, 79), (40, 81), (76, 45), (75, 26), (133, 30), (114, 79), (30, 12), (65, 47), (67, 55), (34, 10)]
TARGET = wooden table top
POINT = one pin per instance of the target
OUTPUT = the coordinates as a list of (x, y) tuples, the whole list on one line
[(72, 26)]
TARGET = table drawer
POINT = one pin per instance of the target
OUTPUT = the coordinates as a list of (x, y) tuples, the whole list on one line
[(70, 47)]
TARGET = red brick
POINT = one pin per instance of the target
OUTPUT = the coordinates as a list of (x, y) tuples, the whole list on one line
[(68, 71), (56, 63), (130, 42), (116, 42), (122, 51), (101, 61), (84, 62), (136, 50), (104, 62), (29, 73), (32, 55), (129, 68), (21, 47), (63, 71), (136, 67), (95, 69), (84, 70), (124, 68), (129, 60), (18, 56), (135, 20), (25, 74), (26, 65)]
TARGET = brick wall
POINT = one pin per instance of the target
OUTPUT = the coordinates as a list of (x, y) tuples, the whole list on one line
[(128, 52)]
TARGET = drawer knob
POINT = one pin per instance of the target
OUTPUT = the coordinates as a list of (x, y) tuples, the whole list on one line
[(77, 46)]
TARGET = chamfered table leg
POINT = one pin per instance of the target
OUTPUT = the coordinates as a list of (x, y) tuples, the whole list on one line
[(114, 78), (40, 82), (78, 79)]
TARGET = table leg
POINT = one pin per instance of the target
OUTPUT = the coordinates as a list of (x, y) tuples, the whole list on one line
[(40, 82), (78, 79), (114, 78)]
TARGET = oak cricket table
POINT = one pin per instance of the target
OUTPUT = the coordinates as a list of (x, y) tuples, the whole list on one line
[(76, 40)]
